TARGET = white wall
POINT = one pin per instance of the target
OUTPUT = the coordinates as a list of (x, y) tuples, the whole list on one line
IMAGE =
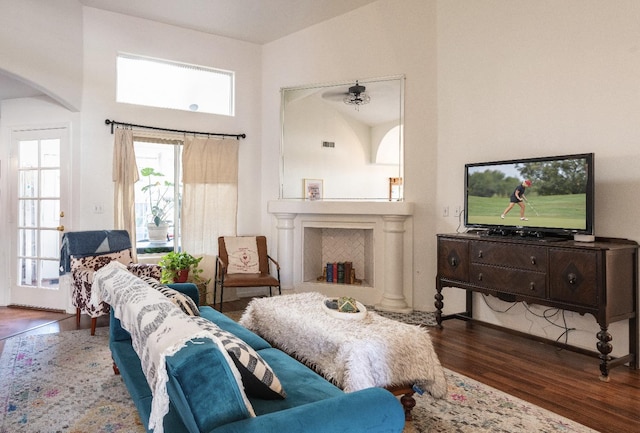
[(523, 79), (386, 38), (41, 44)]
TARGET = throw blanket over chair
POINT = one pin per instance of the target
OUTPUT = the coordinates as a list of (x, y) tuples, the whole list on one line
[(243, 262), (83, 253)]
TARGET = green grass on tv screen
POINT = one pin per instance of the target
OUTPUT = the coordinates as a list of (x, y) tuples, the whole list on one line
[(552, 211)]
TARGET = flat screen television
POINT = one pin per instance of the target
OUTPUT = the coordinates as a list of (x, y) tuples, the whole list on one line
[(555, 196)]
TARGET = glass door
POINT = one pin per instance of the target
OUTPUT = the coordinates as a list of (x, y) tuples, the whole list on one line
[(38, 175)]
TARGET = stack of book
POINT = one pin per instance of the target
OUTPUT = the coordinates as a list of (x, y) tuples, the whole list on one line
[(340, 273)]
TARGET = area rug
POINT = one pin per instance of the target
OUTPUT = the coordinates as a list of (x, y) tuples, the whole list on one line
[(64, 383)]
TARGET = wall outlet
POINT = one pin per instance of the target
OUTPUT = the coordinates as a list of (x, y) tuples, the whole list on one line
[(445, 211), (98, 208), (457, 211)]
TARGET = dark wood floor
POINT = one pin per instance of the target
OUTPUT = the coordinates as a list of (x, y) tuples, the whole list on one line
[(564, 382)]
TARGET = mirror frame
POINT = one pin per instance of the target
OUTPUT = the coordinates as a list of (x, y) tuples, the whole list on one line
[(393, 182)]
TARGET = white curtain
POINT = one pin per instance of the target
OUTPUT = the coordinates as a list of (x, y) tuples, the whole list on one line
[(210, 196), (125, 175)]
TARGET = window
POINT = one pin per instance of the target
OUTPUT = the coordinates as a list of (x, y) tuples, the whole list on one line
[(158, 194), (165, 84)]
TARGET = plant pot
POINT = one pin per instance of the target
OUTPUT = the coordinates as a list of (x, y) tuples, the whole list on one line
[(181, 276), (158, 234)]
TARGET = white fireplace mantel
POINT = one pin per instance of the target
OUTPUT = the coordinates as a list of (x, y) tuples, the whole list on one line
[(323, 207), (392, 226)]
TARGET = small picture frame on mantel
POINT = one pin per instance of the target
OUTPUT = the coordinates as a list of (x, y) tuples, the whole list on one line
[(313, 189)]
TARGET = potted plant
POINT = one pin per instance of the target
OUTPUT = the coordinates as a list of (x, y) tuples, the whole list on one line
[(160, 201), (180, 267), (177, 265)]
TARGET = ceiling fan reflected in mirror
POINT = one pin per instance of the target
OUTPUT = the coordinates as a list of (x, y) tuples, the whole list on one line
[(357, 96)]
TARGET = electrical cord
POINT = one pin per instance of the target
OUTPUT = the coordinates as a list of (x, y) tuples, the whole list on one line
[(548, 317), (460, 220), (548, 314)]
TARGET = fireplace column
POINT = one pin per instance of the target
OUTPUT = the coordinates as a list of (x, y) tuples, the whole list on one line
[(285, 249), (392, 296)]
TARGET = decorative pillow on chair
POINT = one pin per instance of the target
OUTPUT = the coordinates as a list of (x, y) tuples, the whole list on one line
[(258, 378), (183, 301), (242, 252)]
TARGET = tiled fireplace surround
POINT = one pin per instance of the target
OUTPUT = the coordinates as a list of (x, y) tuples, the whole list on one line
[(376, 236)]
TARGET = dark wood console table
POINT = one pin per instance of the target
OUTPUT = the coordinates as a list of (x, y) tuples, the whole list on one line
[(599, 278)]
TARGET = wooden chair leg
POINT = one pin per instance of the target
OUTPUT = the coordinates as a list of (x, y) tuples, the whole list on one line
[(94, 320), (77, 316)]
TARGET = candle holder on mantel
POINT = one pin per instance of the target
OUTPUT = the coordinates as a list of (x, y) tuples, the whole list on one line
[(395, 185)]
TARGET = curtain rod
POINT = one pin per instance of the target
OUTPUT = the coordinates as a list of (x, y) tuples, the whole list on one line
[(132, 125)]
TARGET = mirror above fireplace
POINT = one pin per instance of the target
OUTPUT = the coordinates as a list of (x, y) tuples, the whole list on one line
[(343, 141)]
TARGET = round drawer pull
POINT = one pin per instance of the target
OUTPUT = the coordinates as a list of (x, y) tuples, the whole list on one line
[(532, 286), (480, 254), (533, 260), (480, 276), (453, 261), (572, 278)]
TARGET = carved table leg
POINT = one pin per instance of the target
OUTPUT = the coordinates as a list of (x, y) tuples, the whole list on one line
[(408, 403), (116, 370), (438, 304), (407, 400), (604, 347)]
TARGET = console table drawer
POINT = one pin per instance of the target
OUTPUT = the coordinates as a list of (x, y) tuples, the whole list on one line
[(453, 259), (510, 255), (515, 281)]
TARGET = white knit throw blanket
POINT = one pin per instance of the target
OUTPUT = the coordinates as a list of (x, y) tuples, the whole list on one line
[(158, 329), (375, 351)]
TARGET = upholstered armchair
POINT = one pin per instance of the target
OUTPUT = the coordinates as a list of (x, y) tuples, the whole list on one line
[(243, 261), (83, 253)]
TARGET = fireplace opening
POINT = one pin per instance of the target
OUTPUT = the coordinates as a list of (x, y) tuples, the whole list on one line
[(322, 245)]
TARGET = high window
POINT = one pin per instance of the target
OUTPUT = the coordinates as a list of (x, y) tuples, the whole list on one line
[(180, 86)]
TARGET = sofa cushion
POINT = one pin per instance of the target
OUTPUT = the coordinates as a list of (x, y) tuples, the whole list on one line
[(205, 387), (303, 385), (258, 377), (183, 301)]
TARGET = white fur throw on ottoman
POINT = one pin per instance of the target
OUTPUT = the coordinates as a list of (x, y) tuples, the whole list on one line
[(372, 352)]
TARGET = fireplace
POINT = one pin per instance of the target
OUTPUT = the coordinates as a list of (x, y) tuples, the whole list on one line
[(377, 237), (322, 245)]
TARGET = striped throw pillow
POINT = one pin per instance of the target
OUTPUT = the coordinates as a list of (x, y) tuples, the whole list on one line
[(184, 302), (258, 377)]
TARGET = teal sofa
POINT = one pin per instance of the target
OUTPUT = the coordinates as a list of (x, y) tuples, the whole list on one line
[(204, 397)]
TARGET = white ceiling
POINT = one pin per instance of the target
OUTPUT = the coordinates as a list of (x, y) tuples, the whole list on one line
[(256, 21)]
